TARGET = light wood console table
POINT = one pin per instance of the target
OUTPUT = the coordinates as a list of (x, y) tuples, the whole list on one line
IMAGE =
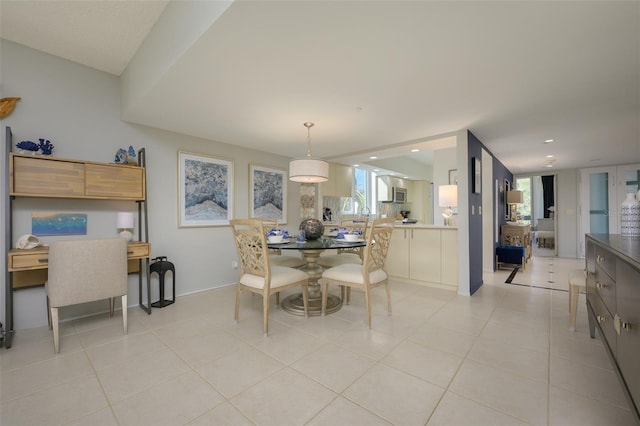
[(48, 177), (517, 235)]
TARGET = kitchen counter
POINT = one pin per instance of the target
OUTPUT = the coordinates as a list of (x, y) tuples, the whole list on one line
[(399, 224)]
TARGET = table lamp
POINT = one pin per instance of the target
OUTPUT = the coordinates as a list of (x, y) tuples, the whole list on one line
[(448, 198), (125, 224), (514, 197)]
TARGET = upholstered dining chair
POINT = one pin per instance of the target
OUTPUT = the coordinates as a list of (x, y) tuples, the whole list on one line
[(83, 271), (275, 255), (257, 275), (347, 255), (370, 273)]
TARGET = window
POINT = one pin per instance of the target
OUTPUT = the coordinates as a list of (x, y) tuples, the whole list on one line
[(524, 209), (362, 200)]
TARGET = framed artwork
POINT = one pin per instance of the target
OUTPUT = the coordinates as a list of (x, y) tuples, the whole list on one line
[(453, 177), (205, 190), (58, 224), (507, 188), (477, 175), (268, 193)]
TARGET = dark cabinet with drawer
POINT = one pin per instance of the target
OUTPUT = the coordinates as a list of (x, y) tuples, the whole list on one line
[(613, 304)]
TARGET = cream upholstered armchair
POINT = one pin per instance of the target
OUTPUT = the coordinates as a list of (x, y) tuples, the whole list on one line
[(256, 273), (368, 275), (83, 271)]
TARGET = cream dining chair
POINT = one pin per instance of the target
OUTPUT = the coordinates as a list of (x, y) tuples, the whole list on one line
[(347, 255), (368, 275), (275, 255), (83, 271), (256, 273)]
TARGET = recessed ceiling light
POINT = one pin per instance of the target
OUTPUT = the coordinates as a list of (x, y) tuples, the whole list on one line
[(550, 156), (405, 177), (373, 157), (549, 165), (548, 141), (356, 165), (415, 150), (376, 170)]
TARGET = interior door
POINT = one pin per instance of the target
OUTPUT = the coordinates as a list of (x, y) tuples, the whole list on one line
[(598, 203)]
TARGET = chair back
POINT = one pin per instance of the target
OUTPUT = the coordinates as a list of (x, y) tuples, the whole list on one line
[(251, 244), (378, 240), (354, 223), (86, 270)]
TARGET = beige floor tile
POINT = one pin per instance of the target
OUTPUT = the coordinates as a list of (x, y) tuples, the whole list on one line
[(239, 370), (333, 366), (503, 391), (26, 352), (176, 401), (109, 333), (533, 339), (395, 396), (587, 381), (443, 339), (288, 345), (584, 351), (223, 414), (568, 409), (44, 375), (344, 412), (143, 372), (103, 417), (56, 406), (467, 323), (455, 410), (123, 351), (286, 398), (507, 356), (412, 358), (202, 349)]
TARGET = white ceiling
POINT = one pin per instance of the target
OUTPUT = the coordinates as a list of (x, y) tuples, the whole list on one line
[(370, 74)]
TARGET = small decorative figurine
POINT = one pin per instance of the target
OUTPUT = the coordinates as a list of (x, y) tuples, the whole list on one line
[(124, 156), (45, 146), (28, 146)]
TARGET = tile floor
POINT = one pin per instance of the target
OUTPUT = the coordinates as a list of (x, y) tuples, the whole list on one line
[(504, 356)]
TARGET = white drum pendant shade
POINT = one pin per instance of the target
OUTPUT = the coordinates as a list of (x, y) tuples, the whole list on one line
[(308, 170)]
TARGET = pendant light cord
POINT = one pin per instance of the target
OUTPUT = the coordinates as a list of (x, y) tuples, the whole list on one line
[(308, 125)]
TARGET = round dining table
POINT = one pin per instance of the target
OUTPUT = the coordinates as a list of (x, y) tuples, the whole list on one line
[(310, 251)]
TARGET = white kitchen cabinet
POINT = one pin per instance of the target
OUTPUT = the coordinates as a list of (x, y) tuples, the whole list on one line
[(449, 257), (340, 183), (420, 198), (398, 255), (424, 254)]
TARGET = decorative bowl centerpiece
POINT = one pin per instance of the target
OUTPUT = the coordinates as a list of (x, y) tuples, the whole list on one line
[(313, 228)]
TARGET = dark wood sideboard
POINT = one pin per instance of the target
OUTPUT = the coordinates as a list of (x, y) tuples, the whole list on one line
[(613, 304)]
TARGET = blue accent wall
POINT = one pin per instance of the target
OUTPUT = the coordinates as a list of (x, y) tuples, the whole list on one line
[(500, 173)]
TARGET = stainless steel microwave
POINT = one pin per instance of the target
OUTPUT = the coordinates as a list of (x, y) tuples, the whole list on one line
[(399, 195)]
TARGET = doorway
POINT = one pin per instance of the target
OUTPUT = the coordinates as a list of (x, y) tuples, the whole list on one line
[(539, 211)]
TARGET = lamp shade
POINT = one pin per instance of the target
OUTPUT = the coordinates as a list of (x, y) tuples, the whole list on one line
[(448, 195), (515, 197), (308, 170), (125, 220)]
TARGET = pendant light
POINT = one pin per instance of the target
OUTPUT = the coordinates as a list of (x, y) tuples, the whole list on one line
[(308, 169)]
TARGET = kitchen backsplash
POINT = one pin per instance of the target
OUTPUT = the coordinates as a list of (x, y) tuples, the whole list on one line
[(383, 209)]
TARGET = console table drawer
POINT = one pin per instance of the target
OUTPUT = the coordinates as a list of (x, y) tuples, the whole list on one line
[(24, 260), (606, 261), (606, 288), (605, 320), (138, 250)]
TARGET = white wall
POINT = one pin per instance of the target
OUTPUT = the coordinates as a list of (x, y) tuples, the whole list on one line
[(443, 161), (78, 109)]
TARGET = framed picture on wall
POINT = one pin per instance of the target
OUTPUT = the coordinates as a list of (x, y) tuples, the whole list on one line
[(477, 175), (268, 193), (205, 190), (453, 177)]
